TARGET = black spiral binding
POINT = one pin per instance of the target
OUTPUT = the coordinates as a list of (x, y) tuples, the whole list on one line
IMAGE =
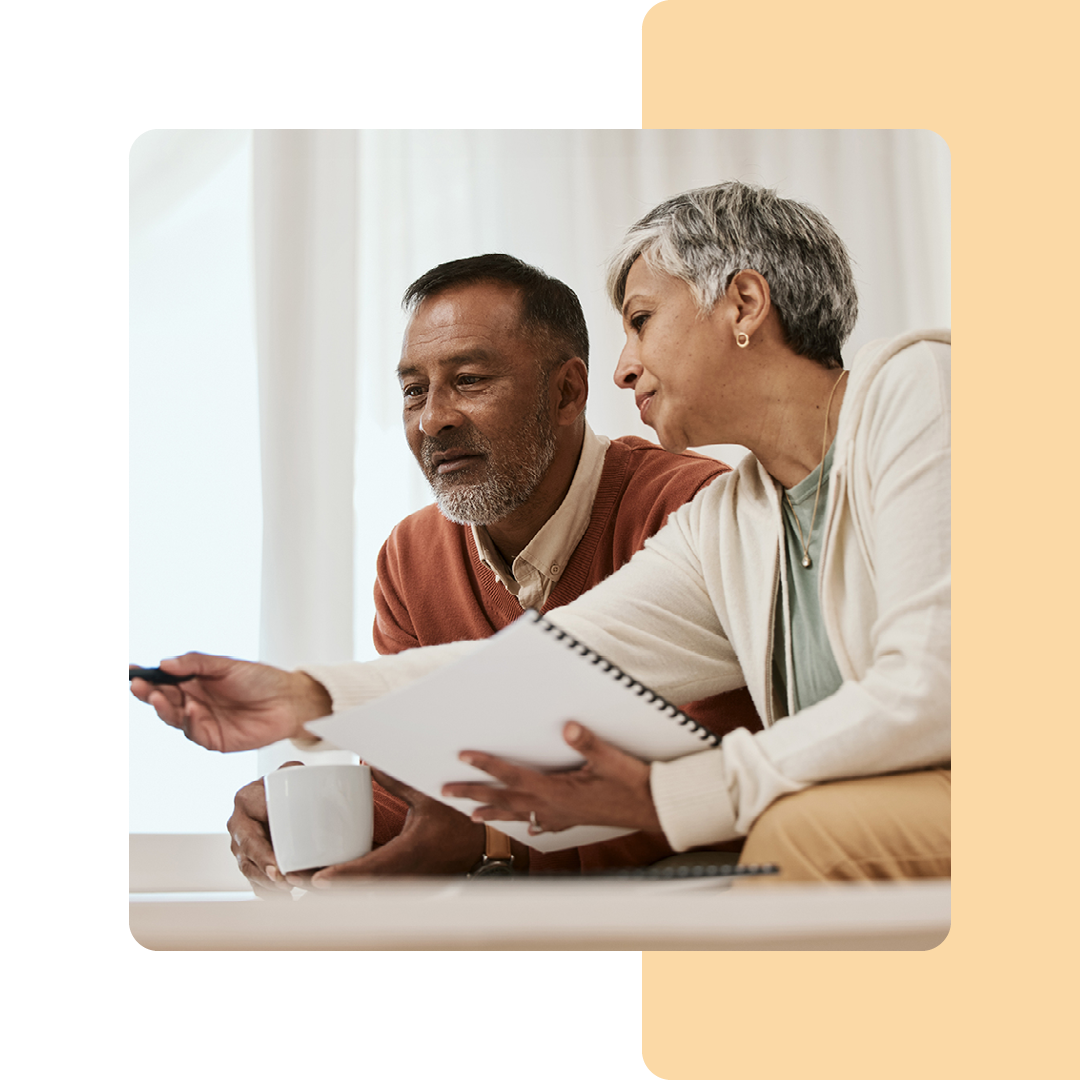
[(662, 704), (680, 873)]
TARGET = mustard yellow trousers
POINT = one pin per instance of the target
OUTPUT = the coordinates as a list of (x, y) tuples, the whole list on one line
[(875, 828)]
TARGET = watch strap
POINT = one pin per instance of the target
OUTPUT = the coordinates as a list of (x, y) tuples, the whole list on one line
[(497, 844), (498, 857)]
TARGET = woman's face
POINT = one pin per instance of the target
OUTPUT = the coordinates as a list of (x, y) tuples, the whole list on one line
[(675, 359)]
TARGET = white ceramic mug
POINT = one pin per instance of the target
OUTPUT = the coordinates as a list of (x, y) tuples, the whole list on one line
[(320, 815)]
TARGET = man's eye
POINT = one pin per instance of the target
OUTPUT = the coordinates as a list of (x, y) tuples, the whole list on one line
[(412, 391), (470, 380)]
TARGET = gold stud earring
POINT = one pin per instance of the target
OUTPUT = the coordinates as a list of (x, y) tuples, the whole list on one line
[(742, 339)]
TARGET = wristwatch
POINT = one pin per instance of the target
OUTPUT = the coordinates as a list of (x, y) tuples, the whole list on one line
[(498, 857)]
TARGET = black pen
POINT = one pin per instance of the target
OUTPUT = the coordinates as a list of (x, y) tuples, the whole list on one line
[(156, 676)]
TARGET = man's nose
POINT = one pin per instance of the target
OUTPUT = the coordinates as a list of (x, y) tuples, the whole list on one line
[(439, 413), (628, 368)]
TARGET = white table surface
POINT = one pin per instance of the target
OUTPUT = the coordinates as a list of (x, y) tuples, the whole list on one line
[(433, 913)]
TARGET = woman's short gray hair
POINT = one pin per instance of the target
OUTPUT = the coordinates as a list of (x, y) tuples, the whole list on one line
[(706, 236)]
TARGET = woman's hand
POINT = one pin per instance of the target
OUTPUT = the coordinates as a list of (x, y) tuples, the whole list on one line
[(232, 704), (611, 788)]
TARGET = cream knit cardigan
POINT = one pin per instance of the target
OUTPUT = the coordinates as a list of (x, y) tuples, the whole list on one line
[(692, 613)]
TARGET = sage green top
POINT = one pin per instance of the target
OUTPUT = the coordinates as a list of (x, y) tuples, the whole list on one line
[(798, 607)]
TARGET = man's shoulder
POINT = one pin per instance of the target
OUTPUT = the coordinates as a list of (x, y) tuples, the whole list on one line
[(424, 528), (642, 483), (646, 462), (423, 555)]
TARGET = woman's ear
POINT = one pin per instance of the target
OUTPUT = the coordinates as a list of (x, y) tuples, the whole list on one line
[(748, 295)]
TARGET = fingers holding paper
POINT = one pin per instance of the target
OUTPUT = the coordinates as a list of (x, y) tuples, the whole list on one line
[(611, 788)]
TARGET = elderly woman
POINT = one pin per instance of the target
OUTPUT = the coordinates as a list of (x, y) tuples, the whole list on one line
[(817, 573)]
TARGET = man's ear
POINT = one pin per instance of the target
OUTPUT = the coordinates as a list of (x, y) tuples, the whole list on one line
[(570, 390), (750, 300)]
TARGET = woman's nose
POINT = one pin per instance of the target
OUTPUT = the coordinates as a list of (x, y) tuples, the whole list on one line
[(628, 369)]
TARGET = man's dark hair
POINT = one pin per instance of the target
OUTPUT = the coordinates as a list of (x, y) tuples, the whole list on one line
[(549, 309)]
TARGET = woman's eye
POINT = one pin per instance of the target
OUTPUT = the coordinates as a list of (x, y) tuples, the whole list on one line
[(639, 320)]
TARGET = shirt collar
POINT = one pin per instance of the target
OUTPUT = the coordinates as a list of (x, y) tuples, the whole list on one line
[(543, 560)]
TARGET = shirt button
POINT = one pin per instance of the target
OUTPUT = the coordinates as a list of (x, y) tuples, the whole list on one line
[(555, 568)]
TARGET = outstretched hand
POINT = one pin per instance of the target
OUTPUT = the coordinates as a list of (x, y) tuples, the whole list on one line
[(611, 788), (233, 704)]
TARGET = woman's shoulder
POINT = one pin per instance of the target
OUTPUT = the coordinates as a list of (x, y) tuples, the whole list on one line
[(900, 390), (898, 355), (917, 361)]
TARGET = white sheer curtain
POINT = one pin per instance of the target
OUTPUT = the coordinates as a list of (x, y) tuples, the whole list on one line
[(305, 238)]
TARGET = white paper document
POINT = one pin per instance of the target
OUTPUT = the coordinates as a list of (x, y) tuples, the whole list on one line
[(511, 697)]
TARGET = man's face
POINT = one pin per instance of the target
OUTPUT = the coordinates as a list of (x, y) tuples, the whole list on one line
[(478, 414)]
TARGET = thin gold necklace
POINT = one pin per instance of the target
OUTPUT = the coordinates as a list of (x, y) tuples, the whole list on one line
[(806, 560)]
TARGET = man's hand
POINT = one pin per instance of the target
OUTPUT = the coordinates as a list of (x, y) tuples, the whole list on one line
[(232, 704), (249, 830), (436, 839), (611, 788)]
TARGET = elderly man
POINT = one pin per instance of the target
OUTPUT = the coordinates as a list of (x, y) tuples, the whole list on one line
[(532, 509)]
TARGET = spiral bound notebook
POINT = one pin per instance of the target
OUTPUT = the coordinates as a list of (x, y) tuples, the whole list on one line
[(511, 697)]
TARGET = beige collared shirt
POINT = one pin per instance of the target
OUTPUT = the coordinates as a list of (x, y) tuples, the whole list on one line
[(541, 563)]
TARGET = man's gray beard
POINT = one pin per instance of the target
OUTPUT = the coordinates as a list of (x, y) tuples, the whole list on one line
[(510, 482)]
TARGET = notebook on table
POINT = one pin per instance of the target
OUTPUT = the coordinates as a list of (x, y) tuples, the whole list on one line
[(511, 697)]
